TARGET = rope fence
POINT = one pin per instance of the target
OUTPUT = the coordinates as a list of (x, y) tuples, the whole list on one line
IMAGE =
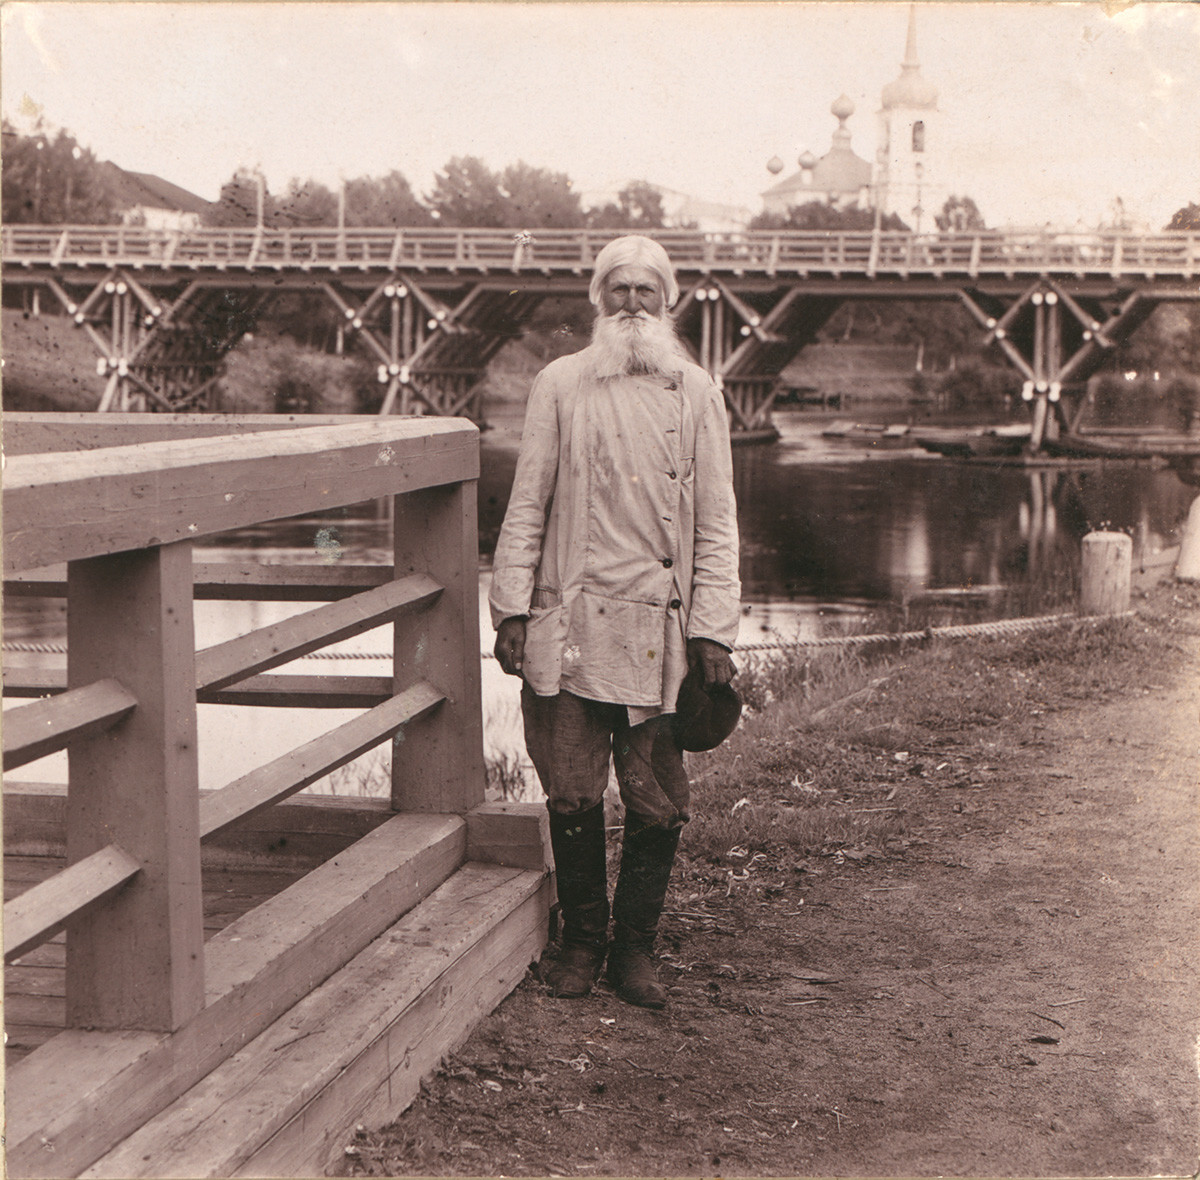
[(957, 631)]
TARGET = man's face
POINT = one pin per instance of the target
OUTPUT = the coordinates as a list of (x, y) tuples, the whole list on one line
[(632, 290)]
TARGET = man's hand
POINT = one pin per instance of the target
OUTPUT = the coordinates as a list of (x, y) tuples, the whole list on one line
[(510, 645), (713, 658)]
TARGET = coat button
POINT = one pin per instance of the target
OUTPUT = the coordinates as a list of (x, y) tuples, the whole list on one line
[(667, 563), (671, 475), (676, 603)]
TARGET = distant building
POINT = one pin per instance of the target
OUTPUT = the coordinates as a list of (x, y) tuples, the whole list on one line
[(839, 178), (904, 178), (144, 199)]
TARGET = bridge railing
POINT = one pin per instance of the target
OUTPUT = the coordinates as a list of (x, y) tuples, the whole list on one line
[(1174, 254), (120, 521)]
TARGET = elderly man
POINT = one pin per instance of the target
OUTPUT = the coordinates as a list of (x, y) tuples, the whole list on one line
[(617, 570)]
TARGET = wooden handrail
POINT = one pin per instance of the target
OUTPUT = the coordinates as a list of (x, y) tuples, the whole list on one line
[(304, 765), (43, 909), (35, 730), (65, 506), (548, 251), (279, 643)]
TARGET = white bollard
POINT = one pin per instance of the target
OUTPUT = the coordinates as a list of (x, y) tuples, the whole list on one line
[(1107, 571), (1187, 564)]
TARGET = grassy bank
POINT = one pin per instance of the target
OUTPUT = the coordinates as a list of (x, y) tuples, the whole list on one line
[(837, 746)]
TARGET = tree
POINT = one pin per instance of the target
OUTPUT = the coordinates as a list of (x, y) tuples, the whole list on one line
[(239, 201), (306, 203), (51, 179), (537, 198), (467, 192), (821, 216), (960, 215), (384, 200), (1187, 218), (639, 207)]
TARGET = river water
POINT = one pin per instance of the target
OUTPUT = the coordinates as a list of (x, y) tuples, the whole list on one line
[(836, 537)]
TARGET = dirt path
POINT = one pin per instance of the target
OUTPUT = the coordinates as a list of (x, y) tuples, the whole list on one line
[(1015, 995)]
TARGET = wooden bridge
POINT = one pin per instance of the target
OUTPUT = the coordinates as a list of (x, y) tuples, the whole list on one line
[(222, 983), (434, 305)]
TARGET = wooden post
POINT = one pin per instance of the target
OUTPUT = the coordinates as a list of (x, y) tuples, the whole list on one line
[(1187, 565), (437, 763), (138, 961), (1107, 563)]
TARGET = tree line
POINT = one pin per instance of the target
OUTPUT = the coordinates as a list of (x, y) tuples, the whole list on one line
[(466, 192), (51, 179)]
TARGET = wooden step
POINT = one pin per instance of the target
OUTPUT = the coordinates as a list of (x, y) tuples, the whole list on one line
[(355, 1049), (82, 1092)]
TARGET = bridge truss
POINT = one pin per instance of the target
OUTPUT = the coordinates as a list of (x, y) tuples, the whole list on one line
[(433, 306)]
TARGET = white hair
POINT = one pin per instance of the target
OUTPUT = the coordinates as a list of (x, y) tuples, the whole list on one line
[(634, 250)]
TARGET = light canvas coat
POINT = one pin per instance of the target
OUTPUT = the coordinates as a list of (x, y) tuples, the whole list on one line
[(620, 540)]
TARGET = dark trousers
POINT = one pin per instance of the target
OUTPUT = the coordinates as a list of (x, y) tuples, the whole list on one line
[(572, 740)]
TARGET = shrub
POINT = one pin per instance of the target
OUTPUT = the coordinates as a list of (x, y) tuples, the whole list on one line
[(975, 384), (267, 375)]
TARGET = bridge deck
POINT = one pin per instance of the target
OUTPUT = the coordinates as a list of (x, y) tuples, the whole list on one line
[(572, 252)]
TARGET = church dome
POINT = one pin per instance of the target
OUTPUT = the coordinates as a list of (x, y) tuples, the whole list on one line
[(910, 89), (843, 107)]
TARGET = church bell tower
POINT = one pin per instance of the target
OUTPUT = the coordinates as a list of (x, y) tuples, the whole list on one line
[(907, 176)]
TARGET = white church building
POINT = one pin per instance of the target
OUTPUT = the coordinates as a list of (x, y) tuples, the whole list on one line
[(904, 178)]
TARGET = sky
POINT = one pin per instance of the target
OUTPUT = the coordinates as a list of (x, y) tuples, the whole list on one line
[(1049, 111)]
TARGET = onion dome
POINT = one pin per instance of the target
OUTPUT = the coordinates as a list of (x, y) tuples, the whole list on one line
[(774, 165), (843, 108), (807, 161)]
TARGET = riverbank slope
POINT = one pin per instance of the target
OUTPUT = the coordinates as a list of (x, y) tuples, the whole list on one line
[(987, 970)]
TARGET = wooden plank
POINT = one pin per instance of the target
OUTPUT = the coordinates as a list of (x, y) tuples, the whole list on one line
[(137, 960), (40, 1011), (303, 692), (33, 731), (296, 769), (274, 1108), (22, 680), (36, 433), (512, 834), (256, 969), (285, 691), (42, 911), (233, 580), (60, 507), (34, 825), (31, 979), (439, 767), (279, 643), (386, 1077)]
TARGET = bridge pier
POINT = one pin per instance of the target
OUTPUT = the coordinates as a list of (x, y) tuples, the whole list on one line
[(1056, 341)]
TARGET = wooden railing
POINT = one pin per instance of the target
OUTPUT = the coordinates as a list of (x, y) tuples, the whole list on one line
[(991, 252), (115, 525)]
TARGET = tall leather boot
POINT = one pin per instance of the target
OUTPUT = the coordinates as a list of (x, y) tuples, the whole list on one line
[(646, 860), (577, 841)]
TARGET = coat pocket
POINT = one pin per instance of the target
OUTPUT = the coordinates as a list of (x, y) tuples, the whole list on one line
[(624, 642), (545, 638)]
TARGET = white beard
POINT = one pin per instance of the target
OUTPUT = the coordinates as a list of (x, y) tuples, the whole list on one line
[(635, 345)]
